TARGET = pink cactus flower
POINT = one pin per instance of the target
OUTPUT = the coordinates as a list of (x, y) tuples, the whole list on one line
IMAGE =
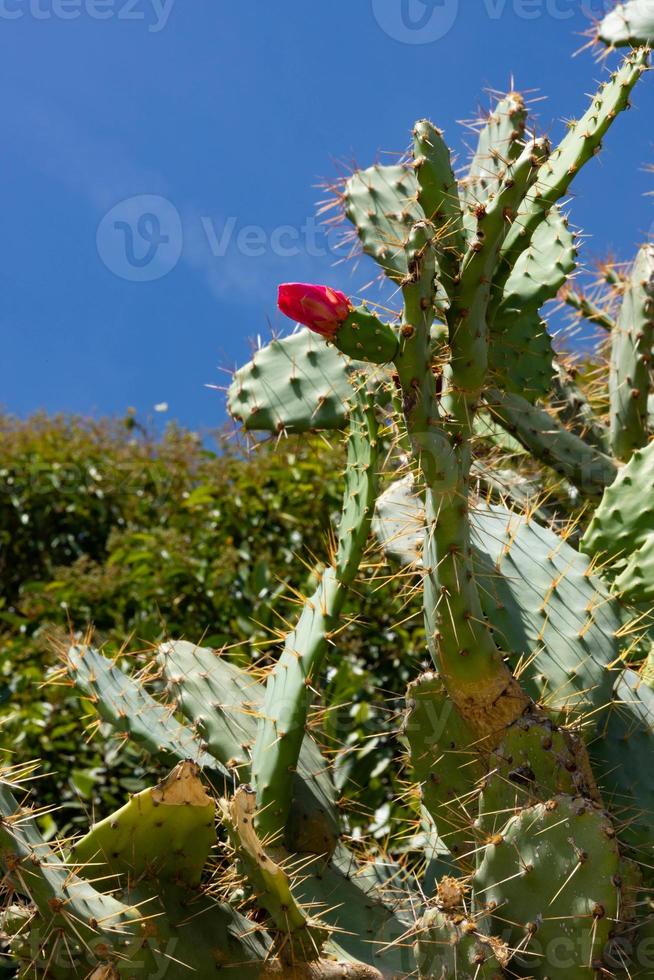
[(319, 308)]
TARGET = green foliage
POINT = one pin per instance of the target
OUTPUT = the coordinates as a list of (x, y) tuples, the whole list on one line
[(145, 538)]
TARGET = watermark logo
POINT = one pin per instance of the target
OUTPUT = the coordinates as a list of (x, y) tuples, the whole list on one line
[(141, 238), (427, 21), (416, 21), (154, 13)]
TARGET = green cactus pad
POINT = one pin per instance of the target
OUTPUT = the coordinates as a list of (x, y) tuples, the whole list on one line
[(104, 927), (589, 469), (546, 608), (443, 761), (629, 24), (635, 582), (533, 763), (298, 384), (366, 907), (382, 204), (128, 707), (621, 533), (452, 946), (224, 703), (551, 879), (542, 269), (364, 337), (167, 831), (521, 353), (547, 611), (501, 139), (632, 342), (621, 753), (439, 199)]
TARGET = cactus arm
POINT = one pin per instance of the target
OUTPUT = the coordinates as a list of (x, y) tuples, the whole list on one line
[(588, 309), (300, 938), (298, 384), (577, 148), (590, 470), (521, 353), (629, 23), (631, 356), (382, 204), (575, 411), (365, 337), (468, 322), (439, 199), (461, 645), (131, 711), (282, 724), (501, 140)]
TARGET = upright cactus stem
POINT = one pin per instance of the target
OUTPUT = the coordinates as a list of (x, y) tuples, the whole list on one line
[(588, 310), (469, 314), (587, 467), (439, 198), (501, 139), (283, 721), (471, 666), (631, 360), (579, 146)]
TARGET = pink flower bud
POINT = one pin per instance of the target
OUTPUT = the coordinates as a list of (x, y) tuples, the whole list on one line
[(319, 308)]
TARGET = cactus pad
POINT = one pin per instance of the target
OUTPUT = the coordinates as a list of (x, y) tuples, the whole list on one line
[(443, 761), (382, 204), (629, 23), (551, 879), (298, 384), (128, 707), (621, 754), (621, 531), (224, 702), (532, 764), (453, 946), (546, 608), (167, 831), (632, 341)]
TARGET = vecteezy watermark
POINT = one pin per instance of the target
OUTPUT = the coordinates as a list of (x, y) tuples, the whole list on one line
[(311, 238), (416, 21), (154, 13), (427, 21), (141, 239)]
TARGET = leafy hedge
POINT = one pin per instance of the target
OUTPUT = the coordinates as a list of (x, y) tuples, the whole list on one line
[(142, 538)]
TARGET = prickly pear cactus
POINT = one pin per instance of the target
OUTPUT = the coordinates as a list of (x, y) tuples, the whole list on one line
[(520, 513), (628, 23)]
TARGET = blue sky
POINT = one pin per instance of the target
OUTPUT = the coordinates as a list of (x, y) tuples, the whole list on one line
[(160, 161)]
